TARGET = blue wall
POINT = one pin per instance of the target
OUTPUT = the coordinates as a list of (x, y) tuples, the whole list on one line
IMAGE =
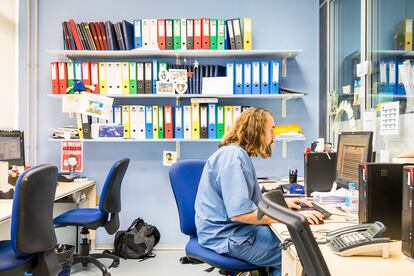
[(146, 190)]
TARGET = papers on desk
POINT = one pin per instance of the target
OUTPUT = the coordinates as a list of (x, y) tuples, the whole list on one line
[(332, 197)]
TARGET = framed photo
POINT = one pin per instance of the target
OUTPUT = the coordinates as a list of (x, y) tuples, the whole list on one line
[(180, 87), (165, 87), (178, 75), (163, 75)]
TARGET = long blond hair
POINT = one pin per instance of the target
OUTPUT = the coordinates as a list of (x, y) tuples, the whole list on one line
[(249, 132)]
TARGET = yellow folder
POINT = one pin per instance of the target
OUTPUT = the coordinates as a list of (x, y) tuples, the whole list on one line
[(228, 118), (79, 125), (125, 77), (247, 34), (102, 78), (195, 121), (125, 121)]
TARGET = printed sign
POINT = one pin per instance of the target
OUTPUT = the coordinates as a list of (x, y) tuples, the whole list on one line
[(71, 156)]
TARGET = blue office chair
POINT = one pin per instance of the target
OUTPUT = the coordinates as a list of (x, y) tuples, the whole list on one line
[(185, 177), (104, 216), (33, 238)]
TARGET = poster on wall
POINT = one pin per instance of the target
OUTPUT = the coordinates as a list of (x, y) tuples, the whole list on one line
[(71, 156), (390, 124)]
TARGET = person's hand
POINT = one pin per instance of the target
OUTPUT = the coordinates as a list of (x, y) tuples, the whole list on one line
[(312, 216), (293, 203)]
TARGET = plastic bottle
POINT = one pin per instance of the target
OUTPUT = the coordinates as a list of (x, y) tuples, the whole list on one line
[(351, 203)]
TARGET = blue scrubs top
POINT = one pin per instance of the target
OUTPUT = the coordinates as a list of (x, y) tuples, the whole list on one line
[(228, 187)]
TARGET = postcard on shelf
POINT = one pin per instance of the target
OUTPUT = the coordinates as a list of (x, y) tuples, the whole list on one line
[(96, 105), (104, 130), (178, 75), (71, 156)]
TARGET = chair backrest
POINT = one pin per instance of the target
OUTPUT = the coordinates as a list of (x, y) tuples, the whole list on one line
[(32, 228), (185, 177), (274, 205), (110, 201)]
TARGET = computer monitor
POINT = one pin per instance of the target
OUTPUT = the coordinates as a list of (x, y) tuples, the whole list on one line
[(12, 147), (353, 148)]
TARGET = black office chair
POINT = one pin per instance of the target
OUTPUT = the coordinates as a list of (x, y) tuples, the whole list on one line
[(104, 216), (273, 204), (33, 238)]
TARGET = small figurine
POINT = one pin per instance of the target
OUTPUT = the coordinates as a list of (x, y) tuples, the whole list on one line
[(79, 87)]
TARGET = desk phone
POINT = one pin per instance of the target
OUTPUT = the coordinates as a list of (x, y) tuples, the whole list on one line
[(362, 239)]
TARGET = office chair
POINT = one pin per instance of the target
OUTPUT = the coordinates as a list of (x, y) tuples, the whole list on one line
[(92, 218), (185, 177), (273, 204), (33, 238)]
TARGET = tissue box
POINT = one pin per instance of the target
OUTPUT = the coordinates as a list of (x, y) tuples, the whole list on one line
[(107, 131)]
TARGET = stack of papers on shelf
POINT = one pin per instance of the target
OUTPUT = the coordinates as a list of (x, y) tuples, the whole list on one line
[(332, 197)]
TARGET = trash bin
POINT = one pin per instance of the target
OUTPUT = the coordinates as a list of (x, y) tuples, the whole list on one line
[(64, 253)]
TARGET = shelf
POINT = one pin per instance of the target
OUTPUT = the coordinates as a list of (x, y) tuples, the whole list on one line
[(383, 53), (179, 54), (178, 142), (286, 139), (290, 138), (283, 97), (146, 53), (121, 140), (178, 96)]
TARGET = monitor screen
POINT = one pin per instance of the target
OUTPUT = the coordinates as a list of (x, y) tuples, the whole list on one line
[(353, 148), (12, 147)]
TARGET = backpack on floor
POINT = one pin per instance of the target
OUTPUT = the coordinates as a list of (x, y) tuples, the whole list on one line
[(137, 242)]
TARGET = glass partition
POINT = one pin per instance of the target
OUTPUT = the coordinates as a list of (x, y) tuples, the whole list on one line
[(390, 99), (345, 40)]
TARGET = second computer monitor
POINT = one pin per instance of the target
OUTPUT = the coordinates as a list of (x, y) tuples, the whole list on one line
[(353, 148), (12, 147)]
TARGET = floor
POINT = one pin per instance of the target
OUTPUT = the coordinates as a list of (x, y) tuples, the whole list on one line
[(165, 263)]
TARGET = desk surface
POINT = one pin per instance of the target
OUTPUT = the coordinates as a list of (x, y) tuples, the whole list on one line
[(63, 189), (397, 264)]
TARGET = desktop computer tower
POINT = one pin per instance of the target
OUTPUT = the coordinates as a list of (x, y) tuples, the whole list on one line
[(319, 171), (407, 233), (380, 196)]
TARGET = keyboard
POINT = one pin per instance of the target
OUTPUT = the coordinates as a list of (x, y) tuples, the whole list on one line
[(326, 214)]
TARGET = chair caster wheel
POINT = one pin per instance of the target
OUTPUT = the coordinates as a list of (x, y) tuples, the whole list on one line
[(115, 264), (106, 274)]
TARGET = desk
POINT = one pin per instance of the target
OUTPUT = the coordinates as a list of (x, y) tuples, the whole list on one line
[(63, 189), (397, 264)]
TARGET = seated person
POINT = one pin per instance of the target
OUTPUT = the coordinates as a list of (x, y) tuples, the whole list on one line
[(228, 194)]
